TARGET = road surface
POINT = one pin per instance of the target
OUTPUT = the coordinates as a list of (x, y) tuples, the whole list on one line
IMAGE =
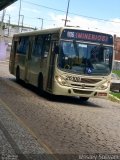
[(64, 125)]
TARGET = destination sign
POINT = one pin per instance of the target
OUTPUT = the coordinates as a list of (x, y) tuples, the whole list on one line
[(87, 36)]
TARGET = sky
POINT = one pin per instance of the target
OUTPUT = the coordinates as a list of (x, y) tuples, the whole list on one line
[(96, 15)]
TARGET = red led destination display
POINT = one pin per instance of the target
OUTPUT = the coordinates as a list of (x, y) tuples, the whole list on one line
[(87, 36)]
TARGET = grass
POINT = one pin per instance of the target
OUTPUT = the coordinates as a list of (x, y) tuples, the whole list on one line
[(116, 94), (115, 97), (116, 72)]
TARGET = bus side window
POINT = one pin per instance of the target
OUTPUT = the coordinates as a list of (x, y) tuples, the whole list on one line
[(23, 44), (37, 48), (46, 45)]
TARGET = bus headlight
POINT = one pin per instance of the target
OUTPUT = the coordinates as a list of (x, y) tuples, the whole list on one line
[(104, 85), (60, 80)]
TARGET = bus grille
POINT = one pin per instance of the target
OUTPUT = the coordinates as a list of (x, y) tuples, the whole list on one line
[(81, 86), (81, 91), (92, 81)]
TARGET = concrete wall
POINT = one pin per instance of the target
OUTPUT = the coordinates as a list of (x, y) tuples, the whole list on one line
[(116, 65), (117, 48)]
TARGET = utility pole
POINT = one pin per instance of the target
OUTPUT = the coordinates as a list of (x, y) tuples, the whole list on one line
[(9, 26), (2, 23), (65, 21), (19, 15), (41, 23), (22, 21), (2, 41), (67, 12)]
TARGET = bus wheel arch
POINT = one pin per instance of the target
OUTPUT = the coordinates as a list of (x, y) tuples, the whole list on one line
[(17, 74), (84, 99)]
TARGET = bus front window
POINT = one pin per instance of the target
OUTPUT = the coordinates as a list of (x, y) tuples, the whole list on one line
[(82, 58)]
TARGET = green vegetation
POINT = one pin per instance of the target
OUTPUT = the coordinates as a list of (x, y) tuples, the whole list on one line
[(116, 72), (116, 94), (115, 97)]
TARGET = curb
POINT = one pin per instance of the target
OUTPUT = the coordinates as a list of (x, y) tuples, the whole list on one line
[(113, 98)]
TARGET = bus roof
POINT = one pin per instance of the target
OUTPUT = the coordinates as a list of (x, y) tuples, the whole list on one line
[(53, 30), (45, 31)]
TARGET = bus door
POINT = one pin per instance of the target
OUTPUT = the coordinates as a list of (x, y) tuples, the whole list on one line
[(51, 67), (54, 44), (44, 62)]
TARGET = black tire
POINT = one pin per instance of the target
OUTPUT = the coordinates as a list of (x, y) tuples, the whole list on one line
[(84, 99), (40, 84), (17, 75)]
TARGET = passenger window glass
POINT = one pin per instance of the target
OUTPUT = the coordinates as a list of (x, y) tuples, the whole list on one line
[(46, 46), (37, 49), (23, 45)]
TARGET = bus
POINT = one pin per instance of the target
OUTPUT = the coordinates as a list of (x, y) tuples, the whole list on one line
[(64, 61)]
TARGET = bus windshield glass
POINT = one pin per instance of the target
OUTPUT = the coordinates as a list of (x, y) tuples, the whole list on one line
[(83, 58)]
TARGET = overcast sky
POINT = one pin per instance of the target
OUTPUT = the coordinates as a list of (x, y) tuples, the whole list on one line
[(98, 15)]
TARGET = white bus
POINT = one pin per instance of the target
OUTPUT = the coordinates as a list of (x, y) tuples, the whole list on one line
[(64, 61)]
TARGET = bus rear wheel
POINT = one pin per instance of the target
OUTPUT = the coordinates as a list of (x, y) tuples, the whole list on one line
[(84, 99), (40, 84), (18, 74)]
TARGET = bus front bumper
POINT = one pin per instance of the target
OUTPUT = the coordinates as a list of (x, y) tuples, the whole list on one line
[(76, 91)]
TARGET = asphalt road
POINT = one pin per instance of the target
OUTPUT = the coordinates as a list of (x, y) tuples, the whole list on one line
[(63, 124)]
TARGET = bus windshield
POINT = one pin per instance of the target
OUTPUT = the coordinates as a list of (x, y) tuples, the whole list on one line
[(85, 58)]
